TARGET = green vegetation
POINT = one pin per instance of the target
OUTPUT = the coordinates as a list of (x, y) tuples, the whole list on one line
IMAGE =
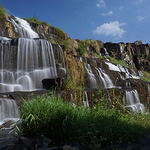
[(60, 33), (82, 48), (33, 20), (3, 12), (121, 62), (93, 128), (74, 78), (66, 43), (146, 76)]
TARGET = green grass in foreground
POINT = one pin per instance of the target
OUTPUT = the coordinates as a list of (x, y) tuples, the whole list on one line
[(95, 127)]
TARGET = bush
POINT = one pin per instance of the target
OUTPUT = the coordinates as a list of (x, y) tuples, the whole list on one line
[(3, 12), (81, 48), (94, 127)]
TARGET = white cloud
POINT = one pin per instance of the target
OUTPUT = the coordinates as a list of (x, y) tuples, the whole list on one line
[(139, 2), (108, 13), (110, 29), (140, 18), (101, 4)]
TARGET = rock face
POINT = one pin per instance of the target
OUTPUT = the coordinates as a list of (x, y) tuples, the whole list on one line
[(137, 55), (35, 55)]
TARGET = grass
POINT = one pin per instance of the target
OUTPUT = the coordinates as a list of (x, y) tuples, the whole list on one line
[(146, 76), (33, 20), (59, 32), (3, 12), (121, 62), (92, 128)]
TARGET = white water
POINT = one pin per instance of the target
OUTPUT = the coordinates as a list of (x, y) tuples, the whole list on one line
[(107, 82), (91, 76), (23, 28), (4, 40), (8, 110), (85, 99), (72, 100), (132, 101), (120, 68), (105, 53), (60, 61), (35, 61)]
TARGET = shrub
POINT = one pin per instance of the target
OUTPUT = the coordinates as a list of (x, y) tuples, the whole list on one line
[(3, 12), (81, 48)]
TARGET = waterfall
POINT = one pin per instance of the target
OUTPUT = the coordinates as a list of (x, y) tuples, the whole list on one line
[(8, 110), (23, 28), (107, 82), (72, 100), (91, 76), (60, 61), (120, 68), (85, 99), (23, 69), (104, 52), (132, 101)]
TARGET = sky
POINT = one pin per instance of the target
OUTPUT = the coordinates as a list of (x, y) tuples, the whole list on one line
[(104, 20)]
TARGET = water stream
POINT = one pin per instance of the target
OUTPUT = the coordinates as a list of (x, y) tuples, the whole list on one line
[(8, 110), (132, 101)]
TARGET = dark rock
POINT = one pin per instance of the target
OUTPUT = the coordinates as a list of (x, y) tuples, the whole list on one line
[(42, 142), (54, 83)]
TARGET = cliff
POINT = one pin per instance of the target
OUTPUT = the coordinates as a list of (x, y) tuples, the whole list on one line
[(44, 56)]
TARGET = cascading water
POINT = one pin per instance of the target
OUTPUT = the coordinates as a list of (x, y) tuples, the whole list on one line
[(120, 68), (23, 28), (72, 100), (91, 76), (8, 110), (107, 82), (132, 101), (85, 99), (34, 62), (60, 61)]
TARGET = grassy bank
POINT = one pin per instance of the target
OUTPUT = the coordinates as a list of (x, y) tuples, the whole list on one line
[(95, 127)]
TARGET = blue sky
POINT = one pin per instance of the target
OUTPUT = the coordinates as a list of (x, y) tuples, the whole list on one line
[(105, 20)]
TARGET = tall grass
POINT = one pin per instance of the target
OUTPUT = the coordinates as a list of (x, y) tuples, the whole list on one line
[(94, 127)]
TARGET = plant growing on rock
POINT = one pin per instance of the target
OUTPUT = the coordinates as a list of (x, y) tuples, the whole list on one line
[(81, 48), (3, 12)]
